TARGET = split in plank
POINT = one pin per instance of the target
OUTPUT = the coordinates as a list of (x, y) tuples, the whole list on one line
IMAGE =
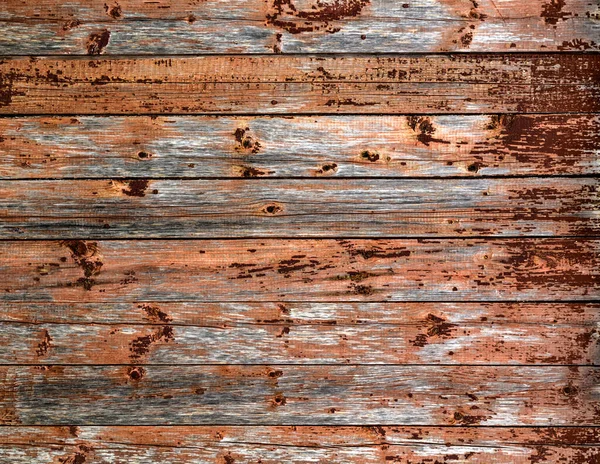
[(299, 146), (298, 445), (275, 26), (299, 395), (302, 84), (542, 269), (55, 209)]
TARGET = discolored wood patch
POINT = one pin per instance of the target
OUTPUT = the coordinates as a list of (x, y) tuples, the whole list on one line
[(327, 146), (309, 270), (315, 208), (280, 84)]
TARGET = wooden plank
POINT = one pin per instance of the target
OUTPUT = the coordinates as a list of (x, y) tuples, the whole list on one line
[(302, 84), (299, 395), (302, 444), (331, 333), (301, 270), (300, 146), (275, 26), (56, 209)]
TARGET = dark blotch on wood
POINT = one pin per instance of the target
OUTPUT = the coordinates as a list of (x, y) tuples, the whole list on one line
[(247, 171), (327, 168), (85, 255), (114, 11), (141, 345), (272, 209), (136, 373), (552, 12), (44, 345), (71, 24), (315, 16), (424, 128), (245, 141), (437, 327), (97, 42), (155, 314), (79, 457), (279, 400), (370, 156), (136, 188)]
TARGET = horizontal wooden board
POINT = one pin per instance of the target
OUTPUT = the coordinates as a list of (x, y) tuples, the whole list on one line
[(299, 395), (302, 444), (302, 84), (55, 209), (301, 270), (299, 146), (238, 333), (275, 26)]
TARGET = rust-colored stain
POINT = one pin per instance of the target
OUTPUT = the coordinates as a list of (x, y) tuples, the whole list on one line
[(272, 231)]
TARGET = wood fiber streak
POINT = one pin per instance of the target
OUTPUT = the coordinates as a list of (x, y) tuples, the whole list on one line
[(299, 395), (288, 208), (302, 444), (324, 146), (314, 84), (301, 270), (276, 26)]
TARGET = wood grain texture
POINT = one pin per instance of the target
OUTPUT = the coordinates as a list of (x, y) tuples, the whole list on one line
[(301, 270), (290, 208), (275, 26), (324, 146), (302, 444), (302, 84), (237, 333), (299, 395)]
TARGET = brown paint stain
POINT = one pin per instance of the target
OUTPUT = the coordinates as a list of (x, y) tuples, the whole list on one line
[(86, 255), (246, 142), (78, 457), (115, 11), (154, 313), (437, 327), (97, 42), (315, 16), (136, 373), (424, 128), (552, 12), (141, 345), (71, 24), (135, 188), (44, 345)]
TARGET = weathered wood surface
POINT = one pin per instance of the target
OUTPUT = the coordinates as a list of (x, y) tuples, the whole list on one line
[(299, 395), (302, 84), (303, 334), (300, 146), (301, 270), (275, 26), (299, 445), (290, 208)]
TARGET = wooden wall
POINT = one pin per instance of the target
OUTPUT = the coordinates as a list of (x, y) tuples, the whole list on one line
[(299, 231)]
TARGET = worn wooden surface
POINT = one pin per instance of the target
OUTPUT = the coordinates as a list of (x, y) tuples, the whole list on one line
[(276, 26), (302, 444), (299, 231), (297, 84), (299, 146), (299, 395), (297, 270), (333, 333), (317, 208)]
